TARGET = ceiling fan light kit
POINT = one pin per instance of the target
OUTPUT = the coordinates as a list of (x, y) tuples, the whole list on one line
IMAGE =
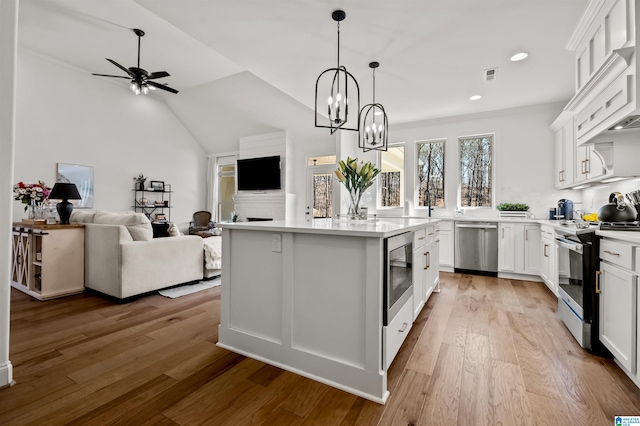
[(374, 132), (337, 82), (140, 78)]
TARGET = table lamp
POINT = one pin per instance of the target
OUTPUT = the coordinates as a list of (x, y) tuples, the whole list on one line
[(64, 192)]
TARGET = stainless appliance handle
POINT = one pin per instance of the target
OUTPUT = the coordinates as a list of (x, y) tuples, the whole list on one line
[(477, 226), (562, 242)]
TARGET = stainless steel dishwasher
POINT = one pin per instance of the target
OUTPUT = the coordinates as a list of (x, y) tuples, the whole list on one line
[(476, 247)]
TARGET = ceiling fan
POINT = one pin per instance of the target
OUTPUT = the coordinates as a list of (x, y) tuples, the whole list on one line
[(140, 78)]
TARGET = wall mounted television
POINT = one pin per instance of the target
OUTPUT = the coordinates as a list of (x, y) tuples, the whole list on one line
[(259, 173)]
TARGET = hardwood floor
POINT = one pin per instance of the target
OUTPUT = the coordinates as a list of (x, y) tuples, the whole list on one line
[(484, 351)]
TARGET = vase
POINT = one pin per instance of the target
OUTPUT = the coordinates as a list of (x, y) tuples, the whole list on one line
[(31, 211), (354, 204)]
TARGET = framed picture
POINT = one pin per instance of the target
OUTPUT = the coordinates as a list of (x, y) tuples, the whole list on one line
[(157, 185), (82, 176)]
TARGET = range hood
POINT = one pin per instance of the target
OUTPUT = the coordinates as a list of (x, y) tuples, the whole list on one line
[(629, 122)]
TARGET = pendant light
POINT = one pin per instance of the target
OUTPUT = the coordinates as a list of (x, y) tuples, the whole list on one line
[(339, 85), (373, 123)]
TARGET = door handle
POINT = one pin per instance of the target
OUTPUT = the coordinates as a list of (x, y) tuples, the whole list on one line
[(611, 253), (545, 250), (426, 260), (502, 232), (526, 235), (598, 273), (404, 327), (587, 168)]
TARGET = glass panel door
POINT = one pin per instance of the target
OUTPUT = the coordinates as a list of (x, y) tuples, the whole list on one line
[(226, 191), (320, 192)]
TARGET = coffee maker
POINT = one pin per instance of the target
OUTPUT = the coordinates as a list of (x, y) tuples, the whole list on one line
[(565, 209)]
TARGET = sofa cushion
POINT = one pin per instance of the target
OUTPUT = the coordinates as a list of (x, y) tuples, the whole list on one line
[(82, 216), (137, 224)]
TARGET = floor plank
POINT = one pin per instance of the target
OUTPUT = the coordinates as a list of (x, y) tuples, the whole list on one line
[(483, 351)]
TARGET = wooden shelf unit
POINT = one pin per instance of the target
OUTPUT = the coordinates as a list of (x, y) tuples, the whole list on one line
[(47, 260)]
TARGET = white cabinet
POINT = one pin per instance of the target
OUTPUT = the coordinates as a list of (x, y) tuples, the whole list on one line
[(425, 273), (446, 244), (507, 248), (419, 263), (618, 321), (548, 258), (519, 248), (564, 155), (432, 274), (531, 249)]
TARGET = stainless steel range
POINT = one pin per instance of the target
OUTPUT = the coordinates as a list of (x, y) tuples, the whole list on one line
[(620, 226), (578, 262)]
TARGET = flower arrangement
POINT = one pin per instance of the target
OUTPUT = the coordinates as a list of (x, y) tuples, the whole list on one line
[(28, 193), (357, 178)]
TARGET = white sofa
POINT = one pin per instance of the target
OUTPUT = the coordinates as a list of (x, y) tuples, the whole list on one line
[(122, 259)]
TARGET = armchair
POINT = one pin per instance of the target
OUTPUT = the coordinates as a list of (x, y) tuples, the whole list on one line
[(201, 223)]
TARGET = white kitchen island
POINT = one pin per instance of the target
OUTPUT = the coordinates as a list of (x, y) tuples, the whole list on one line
[(308, 297)]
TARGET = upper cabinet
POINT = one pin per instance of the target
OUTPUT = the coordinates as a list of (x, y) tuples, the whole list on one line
[(605, 67), (596, 135)]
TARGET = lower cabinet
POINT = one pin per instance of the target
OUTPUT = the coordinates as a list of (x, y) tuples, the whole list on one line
[(618, 316), (425, 273), (394, 334), (445, 253), (519, 248), (548, 261)]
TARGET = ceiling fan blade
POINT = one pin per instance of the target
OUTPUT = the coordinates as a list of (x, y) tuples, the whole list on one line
[(161, 86), (121, 67), (114, 76), (158, 74)]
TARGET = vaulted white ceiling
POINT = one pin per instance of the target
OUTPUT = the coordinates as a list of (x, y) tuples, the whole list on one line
[(249, 66)]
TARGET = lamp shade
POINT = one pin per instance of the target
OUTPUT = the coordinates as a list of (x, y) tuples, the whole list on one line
[(64, 191)]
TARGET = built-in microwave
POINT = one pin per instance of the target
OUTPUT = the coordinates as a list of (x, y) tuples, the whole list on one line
[(398, 286)]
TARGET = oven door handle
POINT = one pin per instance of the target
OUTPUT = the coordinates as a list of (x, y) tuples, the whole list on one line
[(569, 245)]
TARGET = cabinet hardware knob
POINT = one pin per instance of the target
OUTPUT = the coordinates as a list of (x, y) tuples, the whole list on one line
[(611, 253), (404, 327), (598, 273), (421, 238)]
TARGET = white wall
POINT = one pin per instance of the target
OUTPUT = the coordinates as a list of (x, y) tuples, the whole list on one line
[(8, 49), (597, 196), (523, 150), (70, 116)]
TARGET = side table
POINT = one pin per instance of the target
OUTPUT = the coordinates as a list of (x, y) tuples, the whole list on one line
[(47, 260)]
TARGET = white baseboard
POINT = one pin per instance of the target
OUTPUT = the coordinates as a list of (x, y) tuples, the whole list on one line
[(522, 277), (445, 268), (6, 375)]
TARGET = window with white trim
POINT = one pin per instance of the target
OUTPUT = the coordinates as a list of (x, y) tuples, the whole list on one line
[(391, 177), (430, 172), (476, 171)]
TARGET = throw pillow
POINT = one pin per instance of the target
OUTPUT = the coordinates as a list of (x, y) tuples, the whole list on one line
[(82, 216), (137, 224), (173, 230)]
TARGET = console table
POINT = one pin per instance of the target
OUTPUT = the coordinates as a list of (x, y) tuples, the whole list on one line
[(47, 260)]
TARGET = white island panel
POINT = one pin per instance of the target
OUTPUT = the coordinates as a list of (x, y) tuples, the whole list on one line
[(256, 299), (338, 300)]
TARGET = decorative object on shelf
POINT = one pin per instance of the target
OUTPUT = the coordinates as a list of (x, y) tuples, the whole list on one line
[(140, 78), (337, 84), (32, 195), (82, 177), (374, 131), (65, 192), (157, 185), (140, 180), (143, 201), (357, 178)]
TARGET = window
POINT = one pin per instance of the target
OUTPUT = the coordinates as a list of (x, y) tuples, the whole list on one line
[(391, 178), (226, 190), (476, 171), (322, 194), (430, 172), (321, 160)]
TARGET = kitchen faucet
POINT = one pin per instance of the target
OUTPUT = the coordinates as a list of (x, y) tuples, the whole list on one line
[(427, 200)]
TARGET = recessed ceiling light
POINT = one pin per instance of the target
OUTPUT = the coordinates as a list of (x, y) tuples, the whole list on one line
[(519, 56), (475, 97)]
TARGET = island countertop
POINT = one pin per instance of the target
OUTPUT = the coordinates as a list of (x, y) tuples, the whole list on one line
[(381, 228)]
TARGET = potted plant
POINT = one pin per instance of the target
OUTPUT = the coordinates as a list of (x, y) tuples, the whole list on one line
[(511, 207), (32, 195), (140, 180)]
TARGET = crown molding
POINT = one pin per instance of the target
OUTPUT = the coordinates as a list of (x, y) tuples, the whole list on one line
[(585, 21)]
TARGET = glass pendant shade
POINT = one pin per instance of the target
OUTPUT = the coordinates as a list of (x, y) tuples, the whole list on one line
[(373, 122), (339, 87)]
